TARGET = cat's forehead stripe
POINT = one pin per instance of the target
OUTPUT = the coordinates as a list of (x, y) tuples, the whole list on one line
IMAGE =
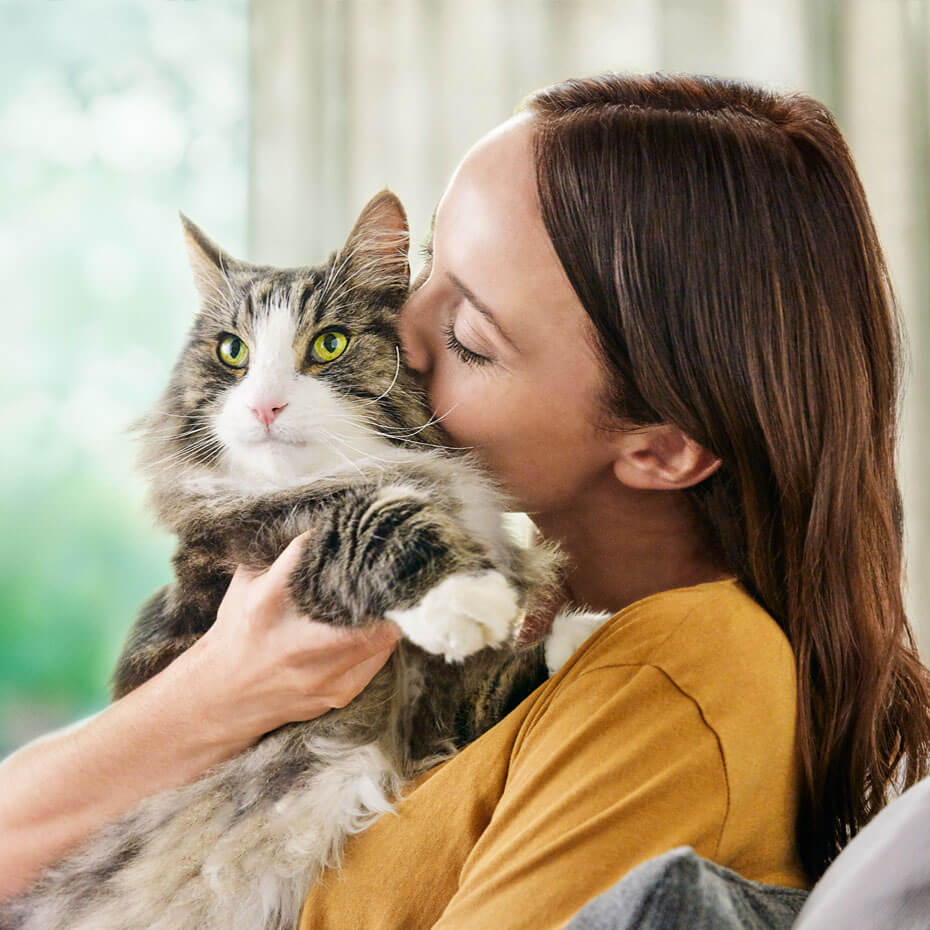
[(274, 335), (247, 309), (308, 304)]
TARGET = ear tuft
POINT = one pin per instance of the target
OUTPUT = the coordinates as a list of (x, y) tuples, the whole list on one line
[(377, 247), (210, 264)]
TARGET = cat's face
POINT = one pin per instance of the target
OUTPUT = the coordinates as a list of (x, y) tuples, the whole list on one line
[(289, 374)]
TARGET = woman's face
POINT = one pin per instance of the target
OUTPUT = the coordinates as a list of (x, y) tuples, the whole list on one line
[(501, 341)]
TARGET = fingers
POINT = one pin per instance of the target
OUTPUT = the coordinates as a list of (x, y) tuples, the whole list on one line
[(365, 639), (322, 658), (343, 660), (382, 635), (340, 649), (353, 682)]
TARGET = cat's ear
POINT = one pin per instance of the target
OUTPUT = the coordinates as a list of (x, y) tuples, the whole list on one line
[(211, 266), (376, 250)]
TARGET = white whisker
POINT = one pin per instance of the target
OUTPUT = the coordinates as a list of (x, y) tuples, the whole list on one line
[(393, 382), (342, 455), (189, 453)]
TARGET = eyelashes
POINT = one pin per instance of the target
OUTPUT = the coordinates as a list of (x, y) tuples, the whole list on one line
[(426, 253), (466, 355)]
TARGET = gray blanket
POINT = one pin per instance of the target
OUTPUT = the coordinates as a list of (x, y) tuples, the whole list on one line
[(681, 891)]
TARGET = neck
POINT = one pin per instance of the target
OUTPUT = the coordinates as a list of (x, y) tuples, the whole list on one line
[(624, 544)]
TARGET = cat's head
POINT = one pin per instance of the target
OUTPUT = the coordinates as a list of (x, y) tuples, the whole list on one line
[(290, 374)]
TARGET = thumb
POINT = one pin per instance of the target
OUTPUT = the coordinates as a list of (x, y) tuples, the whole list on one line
[(280, 571)]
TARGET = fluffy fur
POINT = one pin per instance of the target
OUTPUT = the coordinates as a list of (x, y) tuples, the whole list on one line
[(258, 438)]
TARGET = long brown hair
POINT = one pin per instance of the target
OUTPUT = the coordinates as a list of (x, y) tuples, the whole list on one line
[(719, 238)]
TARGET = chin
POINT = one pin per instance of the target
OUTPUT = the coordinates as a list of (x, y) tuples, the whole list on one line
[(270, 460), (281, 462)]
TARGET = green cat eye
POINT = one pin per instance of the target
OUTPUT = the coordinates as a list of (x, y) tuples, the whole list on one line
[(233, 351), (329, 345)]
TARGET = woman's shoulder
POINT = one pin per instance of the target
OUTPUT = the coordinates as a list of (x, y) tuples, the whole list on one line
[(704, 666), (720, 651), (707, 636)]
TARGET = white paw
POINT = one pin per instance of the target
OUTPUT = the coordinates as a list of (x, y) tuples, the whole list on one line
[(462, 614), (569, 630)]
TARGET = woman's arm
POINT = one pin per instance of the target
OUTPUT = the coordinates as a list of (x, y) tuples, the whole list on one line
[(262, 664)]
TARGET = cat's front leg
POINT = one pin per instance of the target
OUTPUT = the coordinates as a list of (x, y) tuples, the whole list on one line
[(391, 552), (464, 613), (570, 628)]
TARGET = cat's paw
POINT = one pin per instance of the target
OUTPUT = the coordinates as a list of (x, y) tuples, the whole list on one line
[(570, 629), (462, 614)]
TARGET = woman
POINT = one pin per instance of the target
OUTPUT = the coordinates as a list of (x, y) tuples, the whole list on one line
[(657, 306), (658, 309)]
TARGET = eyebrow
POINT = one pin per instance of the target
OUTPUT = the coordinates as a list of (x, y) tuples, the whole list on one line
[(481, 307), (428, 245)]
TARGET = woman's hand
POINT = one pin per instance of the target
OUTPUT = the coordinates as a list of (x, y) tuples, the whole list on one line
[(263, 663)]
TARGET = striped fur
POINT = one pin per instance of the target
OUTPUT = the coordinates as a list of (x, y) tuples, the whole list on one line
[(400, 527)]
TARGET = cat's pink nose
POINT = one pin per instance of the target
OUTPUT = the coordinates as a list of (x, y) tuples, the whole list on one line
[(267, 412)]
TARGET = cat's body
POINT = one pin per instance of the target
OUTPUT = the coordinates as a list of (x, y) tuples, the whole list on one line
[(398, 529)]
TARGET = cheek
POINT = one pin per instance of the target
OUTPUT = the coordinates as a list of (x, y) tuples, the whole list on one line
[(536, 443), (492, 420), (467, 404)]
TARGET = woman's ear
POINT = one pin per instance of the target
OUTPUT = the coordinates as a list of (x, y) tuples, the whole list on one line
[(661, 458)]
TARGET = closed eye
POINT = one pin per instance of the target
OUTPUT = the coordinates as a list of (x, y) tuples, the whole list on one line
[(464, 353)]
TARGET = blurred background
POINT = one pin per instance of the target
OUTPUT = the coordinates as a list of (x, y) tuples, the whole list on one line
[(271, 123)]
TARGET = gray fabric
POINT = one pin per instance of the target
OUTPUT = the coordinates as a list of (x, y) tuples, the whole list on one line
[(881, 880), (681, 891)]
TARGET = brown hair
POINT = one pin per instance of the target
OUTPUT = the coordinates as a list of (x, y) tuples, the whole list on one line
[(719, 238)]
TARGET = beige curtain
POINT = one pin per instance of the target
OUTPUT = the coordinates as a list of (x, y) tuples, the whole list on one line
[(353, 95)]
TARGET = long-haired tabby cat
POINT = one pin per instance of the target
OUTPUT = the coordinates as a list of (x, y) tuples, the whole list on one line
[(290, 410)]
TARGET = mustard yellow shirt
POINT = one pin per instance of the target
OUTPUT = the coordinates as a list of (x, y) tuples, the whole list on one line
[(672, 725)]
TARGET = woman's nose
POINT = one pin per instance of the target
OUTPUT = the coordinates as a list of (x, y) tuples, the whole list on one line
[(413, 329)]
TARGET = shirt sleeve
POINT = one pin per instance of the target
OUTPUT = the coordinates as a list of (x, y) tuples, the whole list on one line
[(617, 768)]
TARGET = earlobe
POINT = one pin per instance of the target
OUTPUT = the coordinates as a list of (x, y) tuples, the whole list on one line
[(662, 458)]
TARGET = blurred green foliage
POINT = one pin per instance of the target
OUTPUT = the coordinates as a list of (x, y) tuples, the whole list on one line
[(112, 117)]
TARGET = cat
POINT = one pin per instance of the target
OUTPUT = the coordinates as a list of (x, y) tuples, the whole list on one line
[(401, 527)]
